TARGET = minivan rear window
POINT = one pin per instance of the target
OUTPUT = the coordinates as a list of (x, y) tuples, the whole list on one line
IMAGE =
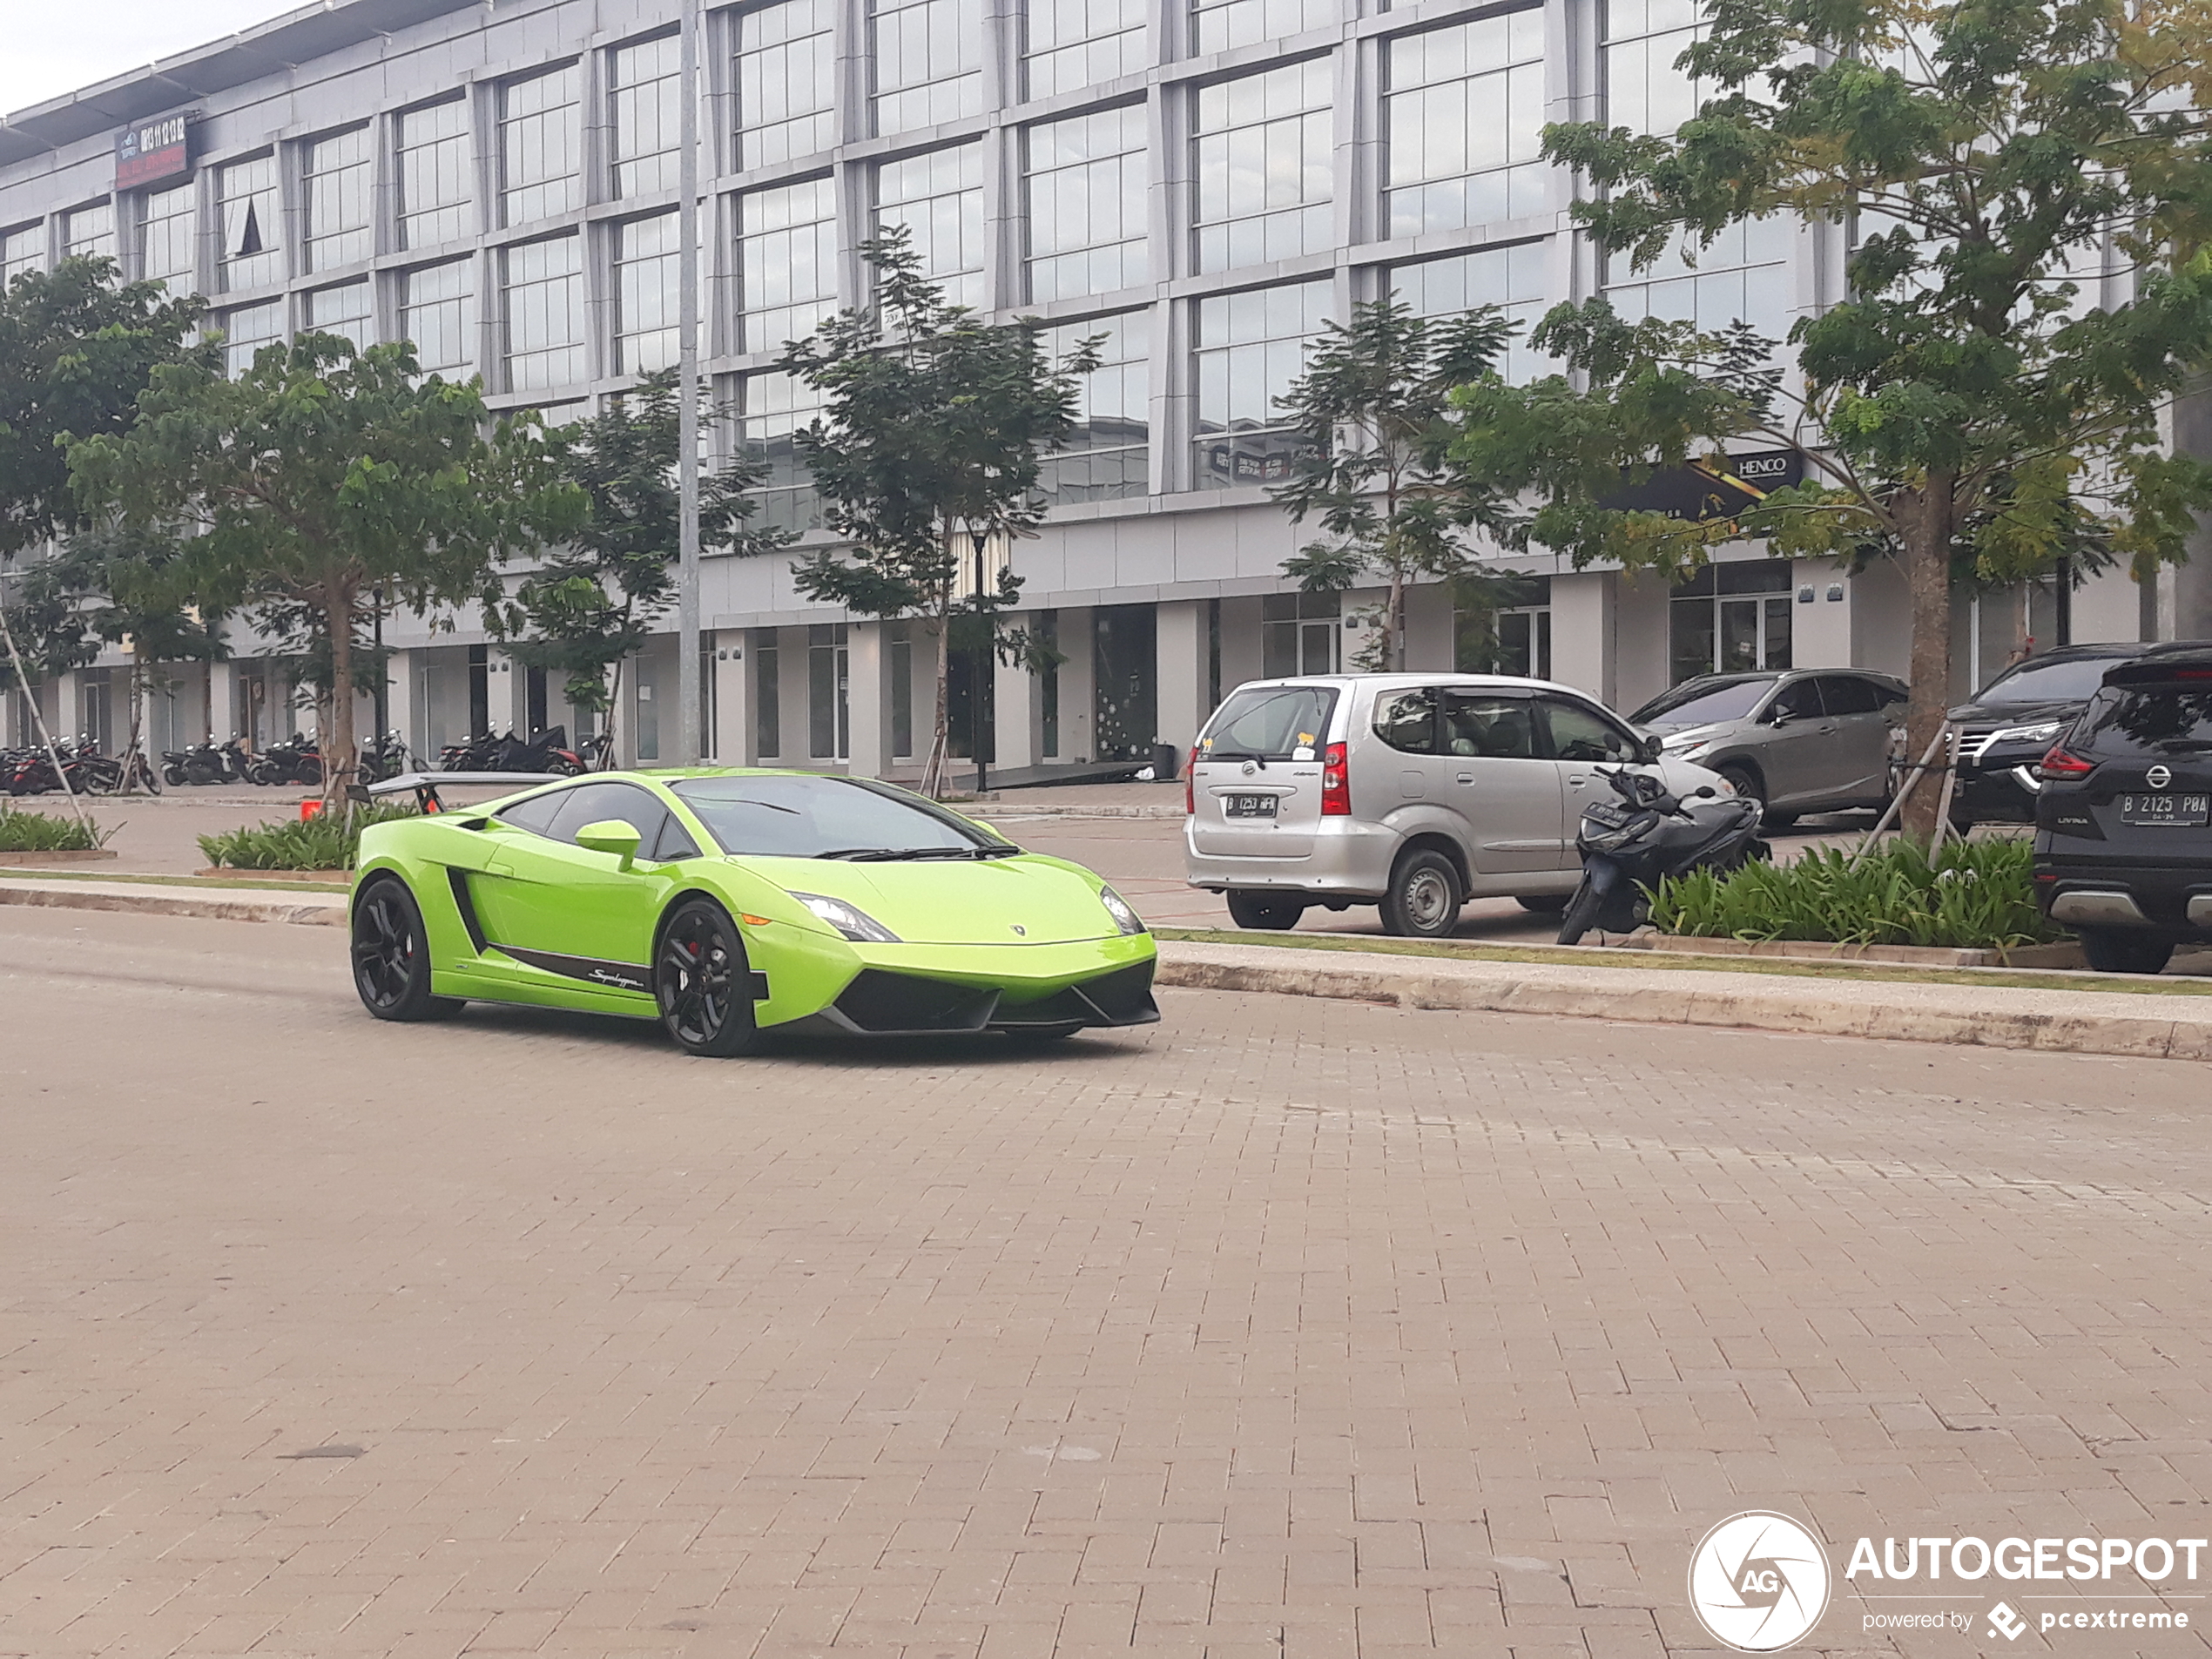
[(1270, 723), (2147, 720)]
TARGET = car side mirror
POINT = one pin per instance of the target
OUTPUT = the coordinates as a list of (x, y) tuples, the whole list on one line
[(610, 835), (1651, 752)]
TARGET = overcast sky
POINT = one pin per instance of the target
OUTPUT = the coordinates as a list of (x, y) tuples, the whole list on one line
[(56, 46)]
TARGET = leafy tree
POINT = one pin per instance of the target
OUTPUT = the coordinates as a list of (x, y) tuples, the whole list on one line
[(930, 442), (76, 350), (1968, 406), (319, 474), (594, 600), (1373, 407)]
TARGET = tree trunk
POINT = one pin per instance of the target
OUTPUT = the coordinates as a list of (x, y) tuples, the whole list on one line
[(130, 761), (1927, 516), (614, 702), (1395, 645), (340, 756), (933, 783)]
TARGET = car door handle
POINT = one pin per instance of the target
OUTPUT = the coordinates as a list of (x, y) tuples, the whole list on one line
[(1467, 777), (1576, 783)]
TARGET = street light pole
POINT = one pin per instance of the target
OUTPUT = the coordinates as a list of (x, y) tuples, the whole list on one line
[(687, 357), (982, 678)]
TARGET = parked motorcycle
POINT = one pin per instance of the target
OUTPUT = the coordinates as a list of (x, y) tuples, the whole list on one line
[(295, 760), (386, 758), (1628, 846), (207, 763), (546, 751)]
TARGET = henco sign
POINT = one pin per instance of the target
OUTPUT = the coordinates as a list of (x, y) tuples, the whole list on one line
[(152, 150)]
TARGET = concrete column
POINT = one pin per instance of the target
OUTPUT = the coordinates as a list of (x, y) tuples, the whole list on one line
[(1582, 632), (1242, 647), (1429, 641), (1180, 637), (1078, 685), (69, 704), (794, 704), (1638, 665), (867, 697), (222, 699), (402, 674), (1016, 717), (732, 700), (1819, 629)]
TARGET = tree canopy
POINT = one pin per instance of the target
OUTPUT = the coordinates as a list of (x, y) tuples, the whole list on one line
[(2021, 192), (320, 472)]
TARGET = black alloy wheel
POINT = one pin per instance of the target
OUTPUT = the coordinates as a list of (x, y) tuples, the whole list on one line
[(1264, 912), (392, 956), (2120, 950), (702, 982)]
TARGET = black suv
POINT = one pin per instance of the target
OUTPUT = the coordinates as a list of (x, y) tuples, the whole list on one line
[(2123, 825), (2011, 721)]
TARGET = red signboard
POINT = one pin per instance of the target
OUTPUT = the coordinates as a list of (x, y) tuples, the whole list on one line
[(152, 150)]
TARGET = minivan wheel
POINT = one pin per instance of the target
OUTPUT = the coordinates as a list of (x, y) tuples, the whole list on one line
[(2117, 950), (1425, 897), (1264, 912)]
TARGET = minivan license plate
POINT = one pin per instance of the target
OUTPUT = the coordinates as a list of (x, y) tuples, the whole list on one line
[(2158, 810), (1248, 805)]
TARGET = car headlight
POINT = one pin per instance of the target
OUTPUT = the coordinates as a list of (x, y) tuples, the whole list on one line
[(848, 918), (1118, 907), (1684, 744), (2041, 732)]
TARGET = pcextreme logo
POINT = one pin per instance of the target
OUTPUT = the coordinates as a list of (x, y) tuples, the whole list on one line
[(1758, 1581)]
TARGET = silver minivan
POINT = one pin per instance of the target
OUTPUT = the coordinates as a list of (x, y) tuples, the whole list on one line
[(1412, 792)]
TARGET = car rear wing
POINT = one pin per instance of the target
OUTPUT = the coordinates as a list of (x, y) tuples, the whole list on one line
[(425, 784)]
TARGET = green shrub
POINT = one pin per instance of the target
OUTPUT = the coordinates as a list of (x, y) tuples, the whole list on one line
[(36, 832), (324, 842), (1976, 895)]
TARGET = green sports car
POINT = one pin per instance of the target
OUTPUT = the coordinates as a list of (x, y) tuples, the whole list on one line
[(730, 903)]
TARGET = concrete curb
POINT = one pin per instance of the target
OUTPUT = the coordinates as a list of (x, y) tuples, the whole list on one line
[(1997, 1017), (208, 906)]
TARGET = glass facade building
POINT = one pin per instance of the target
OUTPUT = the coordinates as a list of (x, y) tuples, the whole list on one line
[(1199, 190)]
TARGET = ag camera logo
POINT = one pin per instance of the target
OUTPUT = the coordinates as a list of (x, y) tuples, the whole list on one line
[(1758, 1581)]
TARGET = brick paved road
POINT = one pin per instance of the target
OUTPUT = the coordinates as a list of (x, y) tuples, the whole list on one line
[(1285, 1330)]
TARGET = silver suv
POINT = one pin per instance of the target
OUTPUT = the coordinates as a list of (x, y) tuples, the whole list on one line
[(1807, 740), (1412, 792)]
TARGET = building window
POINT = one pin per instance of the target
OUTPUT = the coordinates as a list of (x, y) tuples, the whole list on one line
[(1464, 117), (542, 289), (1215, 25), (1109, 454), (768, 696), (646, 109), (252, 254), (786, 262), (829, 717), (21, 249), (434, 173), (772, 408), (342, 310), (1071, 44), (541, 144), (1514, 277), (1248, 349), (646, 276), (1730, 618), (1263, 167), (165, 250), (337, 175), (89, 233), (1086, 178), (438, 313), (247, 329), (1297, 633), (1744, 277), (1512, 634), (939, 197), (928, 59), (786, 82), (1643, 89)]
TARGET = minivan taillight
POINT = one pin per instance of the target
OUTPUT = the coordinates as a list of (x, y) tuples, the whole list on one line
[(1336, 783), (1190, 786), (2059, 764)]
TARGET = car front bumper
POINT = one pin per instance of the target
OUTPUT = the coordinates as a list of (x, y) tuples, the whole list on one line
[(2001, 786), (1347, 858)]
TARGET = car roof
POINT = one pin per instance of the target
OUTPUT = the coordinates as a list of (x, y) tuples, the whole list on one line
[(1408, 681)]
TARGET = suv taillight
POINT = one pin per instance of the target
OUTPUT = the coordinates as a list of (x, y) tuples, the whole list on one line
[(1336, 783), (2059, 764), (1190, 786)]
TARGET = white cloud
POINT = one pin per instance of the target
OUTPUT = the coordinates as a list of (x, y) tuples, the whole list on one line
[(56, 48)]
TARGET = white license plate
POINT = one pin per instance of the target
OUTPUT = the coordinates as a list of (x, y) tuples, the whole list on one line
[(1248, 805), (2152, 811)]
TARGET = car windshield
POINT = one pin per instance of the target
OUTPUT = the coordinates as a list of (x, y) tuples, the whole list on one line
[(1702, 701), (2147, 720), (2073, 680), (781, 816), (1268, 723)]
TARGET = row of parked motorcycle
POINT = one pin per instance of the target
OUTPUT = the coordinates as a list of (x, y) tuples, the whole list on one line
[(548, 750), (30, 771), (296, 759)]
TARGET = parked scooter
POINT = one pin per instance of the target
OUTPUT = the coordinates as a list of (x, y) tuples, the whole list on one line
[(386, 758), (296, 760), (1628, 846)]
